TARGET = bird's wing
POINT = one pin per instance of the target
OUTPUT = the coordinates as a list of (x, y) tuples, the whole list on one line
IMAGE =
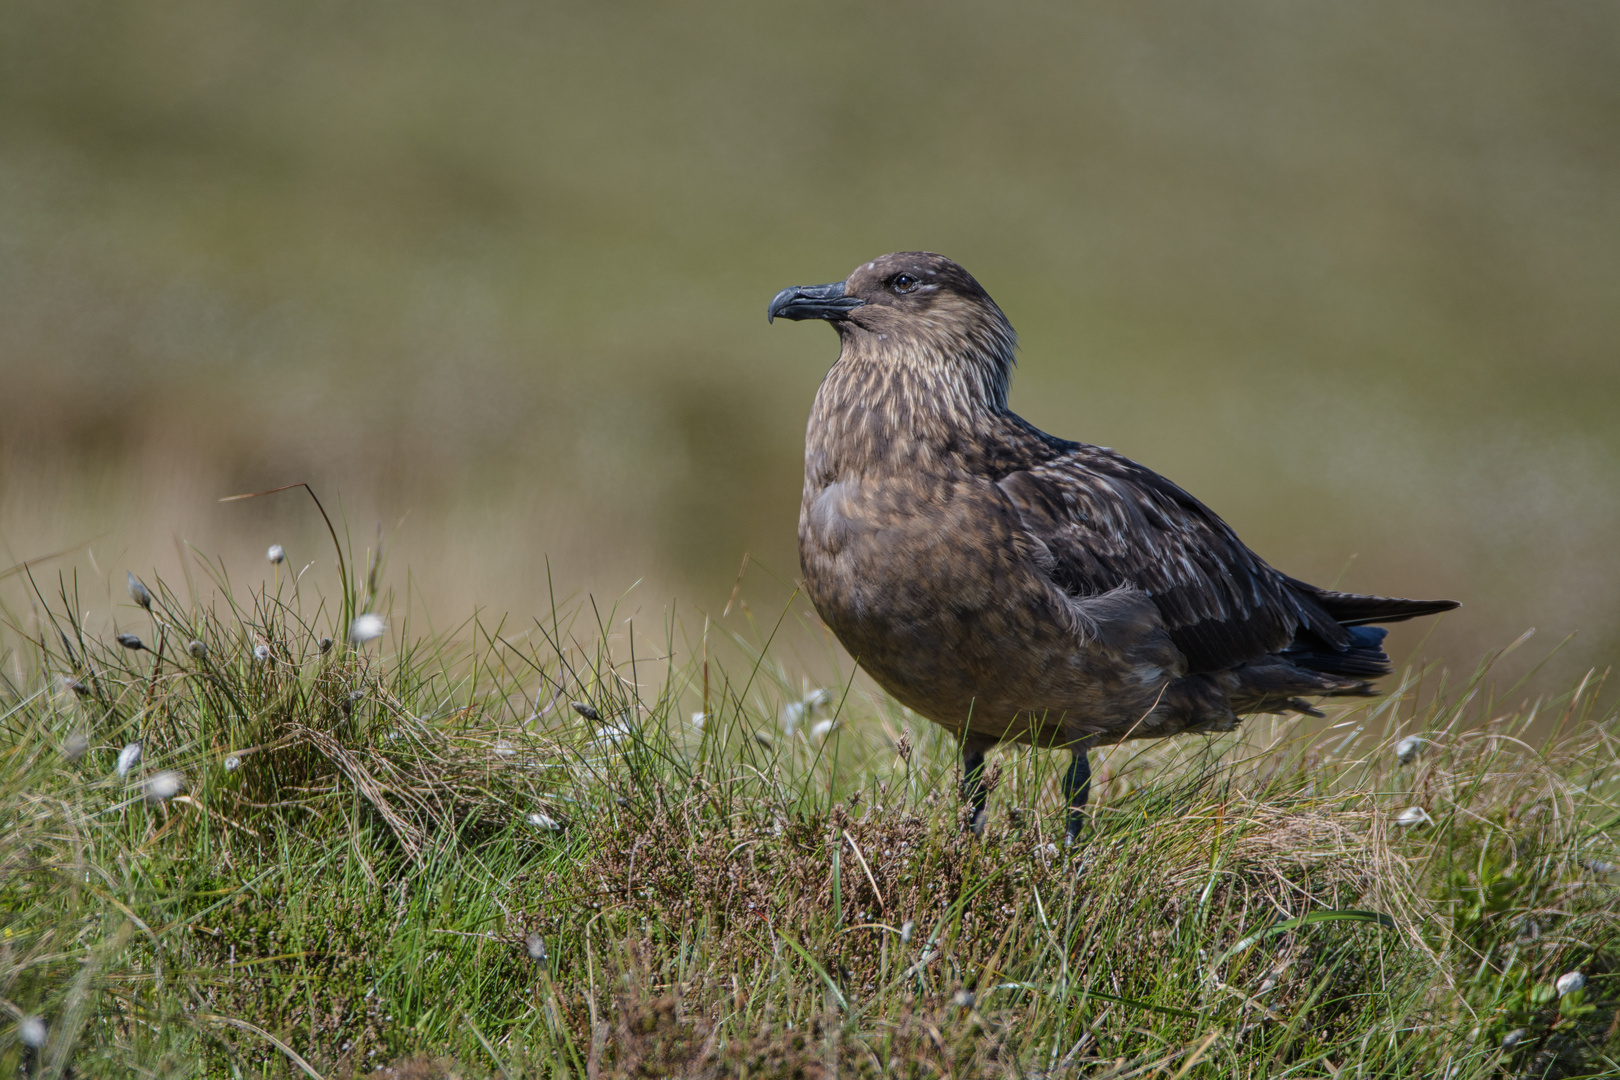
[(1107, 522)]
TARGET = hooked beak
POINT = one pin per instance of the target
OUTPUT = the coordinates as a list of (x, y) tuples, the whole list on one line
[(813, 302)]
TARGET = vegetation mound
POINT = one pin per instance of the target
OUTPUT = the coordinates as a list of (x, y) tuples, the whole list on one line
[(252, 839)]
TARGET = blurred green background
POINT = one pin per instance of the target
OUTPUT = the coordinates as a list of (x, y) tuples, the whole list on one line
[(494, 275)]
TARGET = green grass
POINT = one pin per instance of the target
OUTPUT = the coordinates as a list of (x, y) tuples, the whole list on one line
[(421, 851)]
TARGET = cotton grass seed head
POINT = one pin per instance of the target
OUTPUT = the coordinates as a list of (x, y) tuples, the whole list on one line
[(964, 998), (75, 746), (233, 763), (822, 729), (614, 732), (537, 948), (31, 1032), (367, 627), (795, 713), (1569, 982), (699, 719), (906, 929), (541, 820), (261, 652), (1406, 751), (196, 649), (127, 757), (1413, 815), (586, 710), (276, 555), (130, 642), (138, 592), (163, 786)]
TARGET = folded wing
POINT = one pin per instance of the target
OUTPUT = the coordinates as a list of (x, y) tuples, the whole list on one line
[(1107, 521)]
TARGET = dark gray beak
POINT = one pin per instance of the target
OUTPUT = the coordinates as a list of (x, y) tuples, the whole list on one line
[(813, 302)]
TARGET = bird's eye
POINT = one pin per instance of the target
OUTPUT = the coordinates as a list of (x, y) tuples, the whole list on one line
[(904, 283)]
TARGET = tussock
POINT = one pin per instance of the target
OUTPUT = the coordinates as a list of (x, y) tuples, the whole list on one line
[(368, 843)]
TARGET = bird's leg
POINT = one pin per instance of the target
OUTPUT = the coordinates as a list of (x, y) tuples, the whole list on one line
[(973, 792), (1077, 789)]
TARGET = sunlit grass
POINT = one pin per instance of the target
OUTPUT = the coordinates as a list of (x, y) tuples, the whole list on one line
[(586, 847)]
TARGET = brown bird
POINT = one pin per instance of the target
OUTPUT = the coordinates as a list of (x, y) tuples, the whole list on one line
[(1013, 586)]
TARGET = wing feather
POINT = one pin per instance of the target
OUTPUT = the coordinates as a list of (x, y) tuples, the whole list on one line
[(1108, 521)]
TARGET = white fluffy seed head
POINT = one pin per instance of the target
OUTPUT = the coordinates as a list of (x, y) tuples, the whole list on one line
[(367, 627), (276, 554), (537, 947), (964, 998), (542, 820), (1569, 982), (31, 1030), (1407, 749), (906, 929), (1412, 815), (261, 652), (75, 745), (127, 757), (196, 649), (699, 719), (162, 786), (822, 729), (233, 763)]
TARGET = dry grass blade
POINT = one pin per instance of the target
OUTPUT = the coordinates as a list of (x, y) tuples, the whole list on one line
[(410, 837)]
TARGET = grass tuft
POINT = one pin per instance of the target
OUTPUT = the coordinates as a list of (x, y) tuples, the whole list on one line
[(570, 851)]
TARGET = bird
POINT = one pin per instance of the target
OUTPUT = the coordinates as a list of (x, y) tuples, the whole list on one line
[(1013, 586)]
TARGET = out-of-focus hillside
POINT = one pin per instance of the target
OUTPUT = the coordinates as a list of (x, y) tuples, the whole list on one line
[(494, 275)]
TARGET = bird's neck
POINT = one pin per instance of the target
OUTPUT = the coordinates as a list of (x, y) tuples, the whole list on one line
[(886, 406)]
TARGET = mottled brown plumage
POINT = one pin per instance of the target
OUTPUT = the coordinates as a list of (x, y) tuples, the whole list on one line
[(1010, 585)]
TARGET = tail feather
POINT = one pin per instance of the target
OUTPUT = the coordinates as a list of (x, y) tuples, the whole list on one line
[(1353, 609), (1341, 664), (1277, 684), (1364, 659)]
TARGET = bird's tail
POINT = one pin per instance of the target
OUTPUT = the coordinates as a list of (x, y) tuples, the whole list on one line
[(1280, 683), (1365, 657), (1353, 609), (1342, 664)]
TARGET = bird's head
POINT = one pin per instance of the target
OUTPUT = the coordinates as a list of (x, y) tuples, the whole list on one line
[(908, 291), (912, 307)]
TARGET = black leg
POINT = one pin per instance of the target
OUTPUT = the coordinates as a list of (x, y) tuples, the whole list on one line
[(1077, 789), (973, 792)]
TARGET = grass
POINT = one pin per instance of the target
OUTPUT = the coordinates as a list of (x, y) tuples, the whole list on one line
[(516, 852)]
